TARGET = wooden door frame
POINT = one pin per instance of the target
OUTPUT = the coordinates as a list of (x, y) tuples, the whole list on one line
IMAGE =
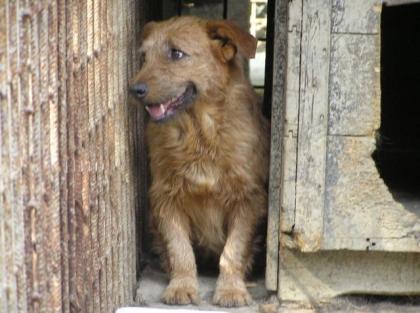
[(275, 82)]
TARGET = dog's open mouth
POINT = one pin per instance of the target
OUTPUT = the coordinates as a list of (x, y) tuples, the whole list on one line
[(162, 111)]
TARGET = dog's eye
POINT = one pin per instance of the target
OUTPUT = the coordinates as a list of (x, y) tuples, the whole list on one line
[(176, 54)]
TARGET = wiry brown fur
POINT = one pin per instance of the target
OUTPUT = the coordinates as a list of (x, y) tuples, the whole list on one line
[(209, 162)]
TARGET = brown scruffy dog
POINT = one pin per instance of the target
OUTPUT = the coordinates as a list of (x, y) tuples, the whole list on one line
[(208, 146)]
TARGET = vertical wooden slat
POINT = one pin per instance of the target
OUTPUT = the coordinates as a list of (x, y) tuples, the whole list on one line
[(119, 143), (81, 171), (313, 120), (107, 227), (291, 110), (116, 161), (278, 21), (10, 166), (53, 221), (125, 180), (63, 28), (91, 150), (72, 98), (24, 112), (32, 220), (112, 76), (3, 156), (26, 86), (43, 133), (99, 46), (129, 146), (102, 93), (98, 127), (132, 145), (86, 269)]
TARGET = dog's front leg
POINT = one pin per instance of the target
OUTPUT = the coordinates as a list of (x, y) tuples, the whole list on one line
[(183, 285), (230, 288)]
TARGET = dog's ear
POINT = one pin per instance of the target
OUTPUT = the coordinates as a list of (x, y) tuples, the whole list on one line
[(232, 39), (147, 29)]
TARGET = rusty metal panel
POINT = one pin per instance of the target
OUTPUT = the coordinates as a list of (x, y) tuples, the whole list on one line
[(70, 146)]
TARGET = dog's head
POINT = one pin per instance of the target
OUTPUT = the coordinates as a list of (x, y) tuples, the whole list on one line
[(185, 58)]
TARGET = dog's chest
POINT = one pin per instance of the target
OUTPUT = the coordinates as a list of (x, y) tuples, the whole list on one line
[(199, 151), (201, 175)]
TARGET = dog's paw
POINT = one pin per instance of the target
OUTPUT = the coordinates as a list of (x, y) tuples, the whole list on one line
[(181, 291), (180, 295), (232, 297)]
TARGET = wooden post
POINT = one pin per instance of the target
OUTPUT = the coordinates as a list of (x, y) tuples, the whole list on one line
[(68, 187), (278, 21)]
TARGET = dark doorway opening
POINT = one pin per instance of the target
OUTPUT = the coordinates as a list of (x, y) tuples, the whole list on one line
[(398, 145), (251, 15)]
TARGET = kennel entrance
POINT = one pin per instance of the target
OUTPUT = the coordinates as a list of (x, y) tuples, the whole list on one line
[(250, 15), (345, 226)]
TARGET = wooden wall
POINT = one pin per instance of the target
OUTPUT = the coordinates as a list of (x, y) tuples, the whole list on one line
[(340, 228), (68, 155)]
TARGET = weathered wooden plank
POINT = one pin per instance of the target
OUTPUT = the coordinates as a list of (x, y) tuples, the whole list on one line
[(83, 270), (293, 67), (73, 146), (295, 16), (291, 120), (95, 110), (64, 155), (107, 152), (356, 16), (11, 162), (52, 225), (101, 97), (33, 221), (354, 85), (135, 254), (112, 83), (288, 200), (359, 207), (48, 229), (277, 115), (3, 156), (313, 277), (122, 121), (313, 118), (45, 210), (95, 155), (24, 107), (119, 158)]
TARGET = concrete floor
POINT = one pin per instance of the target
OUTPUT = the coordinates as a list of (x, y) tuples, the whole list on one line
[(153, 282)]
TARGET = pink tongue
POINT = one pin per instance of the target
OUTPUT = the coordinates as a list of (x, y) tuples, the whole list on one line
[(156, 111)]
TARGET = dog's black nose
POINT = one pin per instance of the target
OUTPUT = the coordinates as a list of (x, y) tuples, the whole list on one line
[(139, 90)]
